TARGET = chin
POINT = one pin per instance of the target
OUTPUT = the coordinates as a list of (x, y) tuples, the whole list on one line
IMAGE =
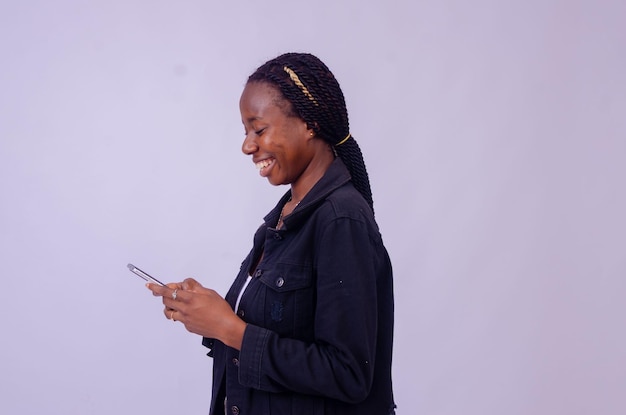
[(274, 182), (278, 181)]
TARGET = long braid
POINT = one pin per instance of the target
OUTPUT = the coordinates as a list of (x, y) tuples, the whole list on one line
[(316, 97), (350, 153)]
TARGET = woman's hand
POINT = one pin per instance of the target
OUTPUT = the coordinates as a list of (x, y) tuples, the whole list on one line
[(202, 310)]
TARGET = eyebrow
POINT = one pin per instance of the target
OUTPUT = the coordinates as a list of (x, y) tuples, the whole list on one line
[(253, 119)]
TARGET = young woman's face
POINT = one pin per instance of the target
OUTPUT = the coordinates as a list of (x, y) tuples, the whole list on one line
[(277, 142)]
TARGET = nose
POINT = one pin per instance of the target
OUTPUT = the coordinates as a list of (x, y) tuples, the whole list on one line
[(249, 145)]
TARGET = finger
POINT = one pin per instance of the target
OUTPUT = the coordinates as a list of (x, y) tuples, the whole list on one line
[(158, 290), (182, 299), (165, 290), (177, 297), (172, 314), (169, 313)]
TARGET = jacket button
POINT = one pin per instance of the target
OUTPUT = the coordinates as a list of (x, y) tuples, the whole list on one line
[(234, 410), (258, 273), (235, 361), (280, 281), (241, 313)]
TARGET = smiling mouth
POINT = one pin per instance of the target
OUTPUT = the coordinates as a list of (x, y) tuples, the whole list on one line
[(264, 164)]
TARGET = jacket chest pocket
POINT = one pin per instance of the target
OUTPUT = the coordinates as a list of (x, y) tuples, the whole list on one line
[(289, 302)]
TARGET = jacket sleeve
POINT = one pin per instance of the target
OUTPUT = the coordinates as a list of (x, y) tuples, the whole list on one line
[(339, 363), (209, 344)]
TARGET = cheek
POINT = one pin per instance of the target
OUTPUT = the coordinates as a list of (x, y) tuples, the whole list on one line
[(276, 142)]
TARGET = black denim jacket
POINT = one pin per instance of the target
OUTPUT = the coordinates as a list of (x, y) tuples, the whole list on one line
[(319, 310)]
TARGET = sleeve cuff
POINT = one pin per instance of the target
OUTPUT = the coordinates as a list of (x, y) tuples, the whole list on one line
[(209, 343), (251, 356)]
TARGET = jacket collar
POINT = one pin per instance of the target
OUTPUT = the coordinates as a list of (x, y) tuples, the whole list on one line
[(336, 176)]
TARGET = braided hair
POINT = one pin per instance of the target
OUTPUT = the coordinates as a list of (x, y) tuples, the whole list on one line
[(316, 97)]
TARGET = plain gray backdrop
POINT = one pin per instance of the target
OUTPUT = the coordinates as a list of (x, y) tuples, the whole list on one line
[(494, 134)]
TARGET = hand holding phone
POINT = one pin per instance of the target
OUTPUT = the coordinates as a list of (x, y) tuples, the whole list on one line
[(144, 275)]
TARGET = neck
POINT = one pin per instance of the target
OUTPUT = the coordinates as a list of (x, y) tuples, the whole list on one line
[(314, 172)]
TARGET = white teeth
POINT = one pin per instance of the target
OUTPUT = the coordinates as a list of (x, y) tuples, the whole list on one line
[(263, 164)]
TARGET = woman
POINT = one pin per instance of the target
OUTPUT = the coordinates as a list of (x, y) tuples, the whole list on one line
[(307, 326)]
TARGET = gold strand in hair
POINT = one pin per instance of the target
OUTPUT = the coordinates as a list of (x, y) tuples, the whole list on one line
[(343, 141), (300, 85)]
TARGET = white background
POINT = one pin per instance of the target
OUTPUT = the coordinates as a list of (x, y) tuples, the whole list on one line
[(494, 134)]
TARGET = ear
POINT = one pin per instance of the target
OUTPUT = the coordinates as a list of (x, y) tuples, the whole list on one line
[(311, 129)]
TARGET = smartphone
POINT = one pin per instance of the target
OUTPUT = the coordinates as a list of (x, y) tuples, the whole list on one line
[(143, 275)]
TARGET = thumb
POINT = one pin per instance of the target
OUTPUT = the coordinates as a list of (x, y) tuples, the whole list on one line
[(190, 284)]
